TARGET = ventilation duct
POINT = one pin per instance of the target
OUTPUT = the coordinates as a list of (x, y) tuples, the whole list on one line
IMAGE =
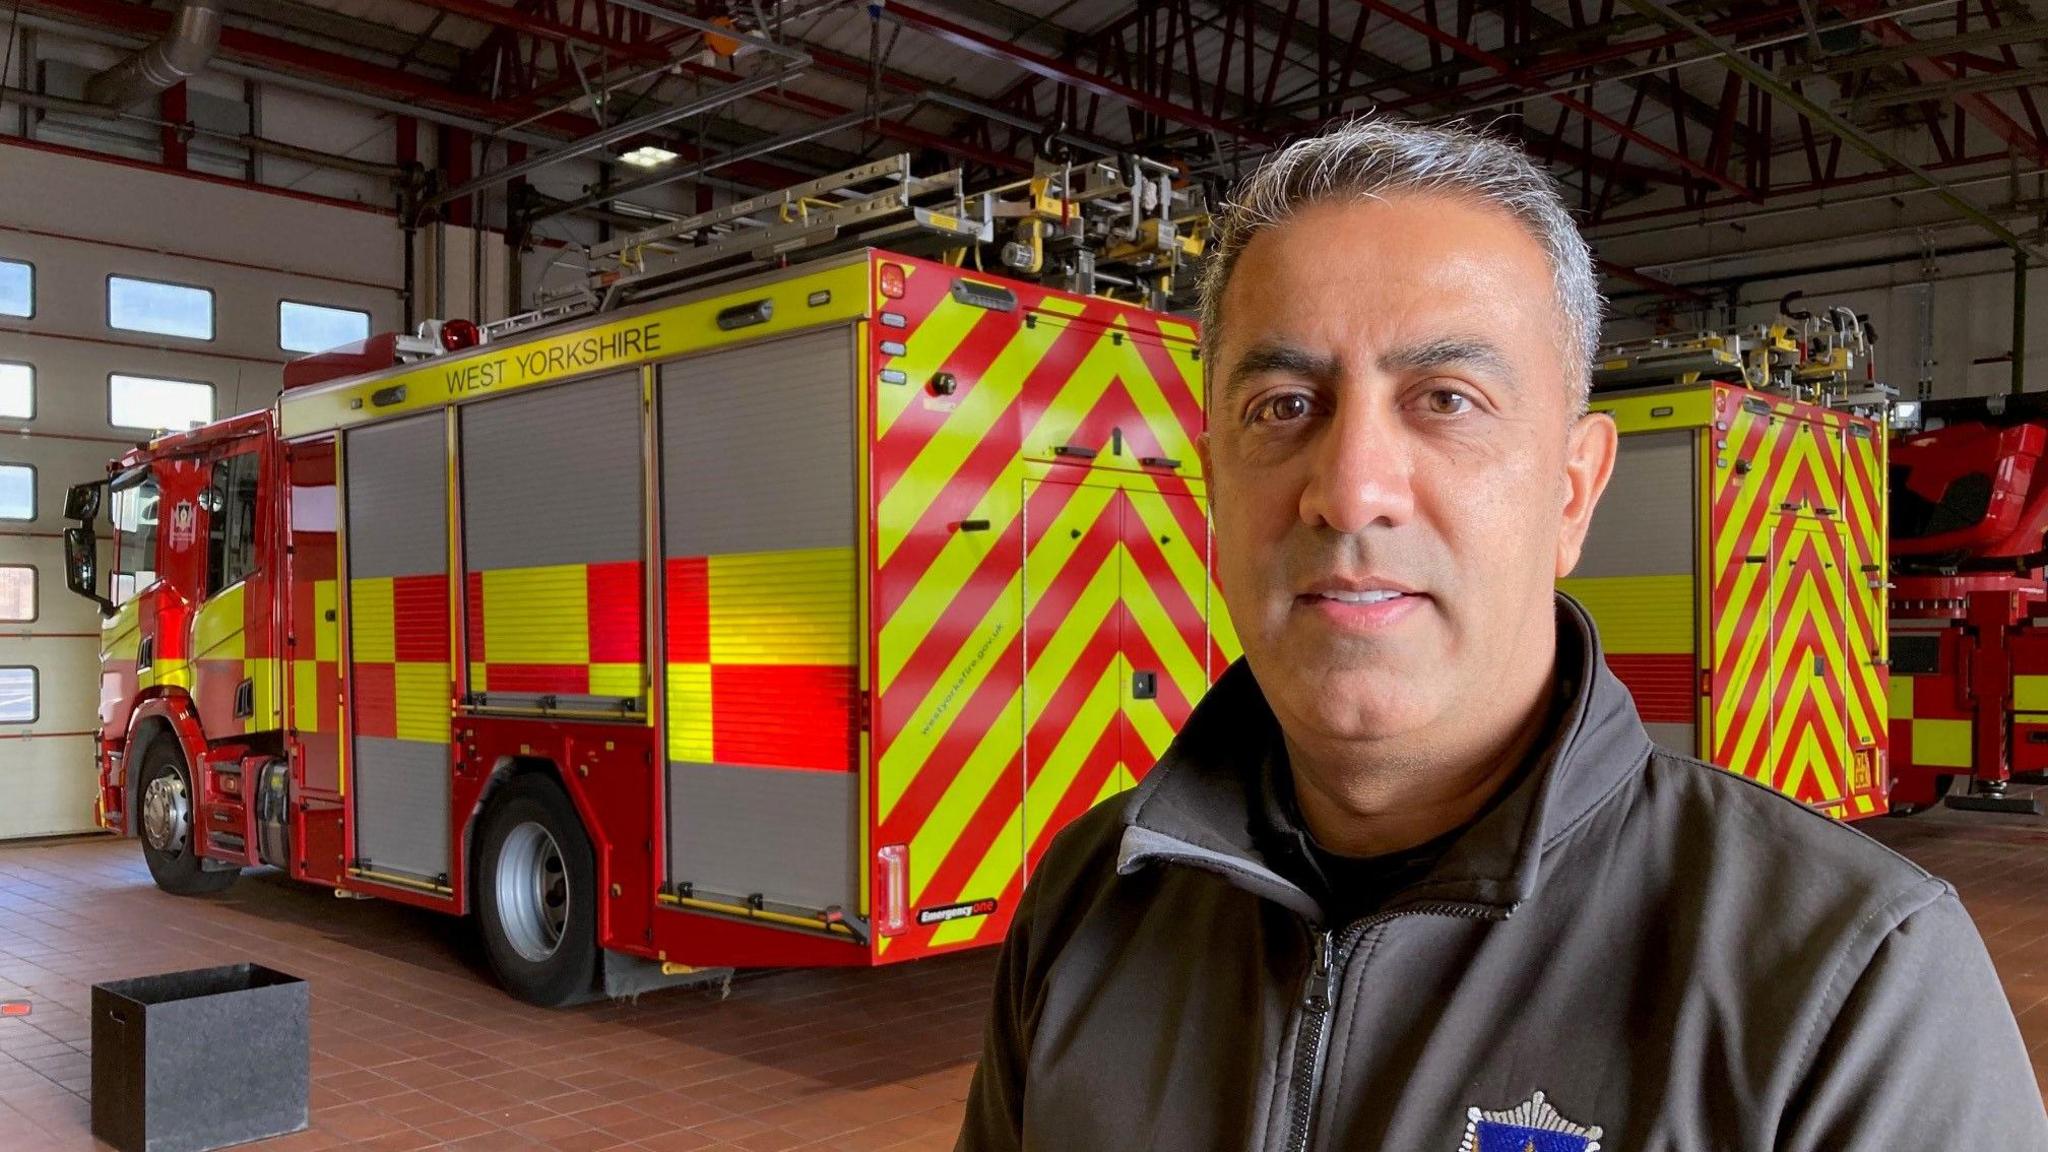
[(193, 37)]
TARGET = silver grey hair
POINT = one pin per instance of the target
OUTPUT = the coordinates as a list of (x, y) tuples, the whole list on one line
[(1371, 158)]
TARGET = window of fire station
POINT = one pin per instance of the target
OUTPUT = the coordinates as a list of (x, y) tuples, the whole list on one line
[(316, 327), (17, 391), (17, 492), (17, 593), (149, 404), (17, 288), (231, 512), (155, 306), (134, 512), (18, 702)]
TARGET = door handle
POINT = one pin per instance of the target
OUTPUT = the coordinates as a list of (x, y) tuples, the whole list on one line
[(145, 653), (1144, 685)]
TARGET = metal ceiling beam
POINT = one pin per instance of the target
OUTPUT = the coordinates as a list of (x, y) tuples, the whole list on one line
[(485, 12), (1065, 73), (1944, 89), (334, 76), (1920, 49), (1509, 71), (1855, 137), (1931, 72), (616, 134)]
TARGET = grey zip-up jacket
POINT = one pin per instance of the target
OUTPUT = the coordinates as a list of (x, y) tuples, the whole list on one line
[(1627, 941)]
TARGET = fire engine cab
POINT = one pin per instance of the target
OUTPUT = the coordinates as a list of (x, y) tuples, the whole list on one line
[(738, 612)]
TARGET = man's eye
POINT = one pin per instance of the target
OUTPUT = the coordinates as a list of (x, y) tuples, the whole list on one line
[(1291, 406), (1445, 402)]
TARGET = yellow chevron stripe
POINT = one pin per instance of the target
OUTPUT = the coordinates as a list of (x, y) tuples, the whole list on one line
[(991, 876), (1050, 779), (931, 595), (983, 771)]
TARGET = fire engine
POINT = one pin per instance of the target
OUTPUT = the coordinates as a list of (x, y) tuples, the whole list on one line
[(770, 599), (1969, 690), (1736, 566)]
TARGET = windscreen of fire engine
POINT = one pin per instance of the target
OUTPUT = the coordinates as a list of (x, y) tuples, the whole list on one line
[(134, 509)]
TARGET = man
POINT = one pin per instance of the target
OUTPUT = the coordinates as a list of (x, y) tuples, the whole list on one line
[(1413, 876)]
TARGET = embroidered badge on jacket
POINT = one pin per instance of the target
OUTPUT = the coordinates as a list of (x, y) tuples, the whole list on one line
[(1531, 1127)]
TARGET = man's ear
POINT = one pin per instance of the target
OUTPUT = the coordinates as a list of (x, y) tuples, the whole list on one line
[(1202, 454), (1589, 453)]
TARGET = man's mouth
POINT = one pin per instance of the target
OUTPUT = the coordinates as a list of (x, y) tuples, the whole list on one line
[(1377, 596)]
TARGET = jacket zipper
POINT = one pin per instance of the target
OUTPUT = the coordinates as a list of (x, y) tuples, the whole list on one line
[(1319, 1001)]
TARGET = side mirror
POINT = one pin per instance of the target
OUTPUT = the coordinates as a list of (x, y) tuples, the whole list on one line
[(82, 566), (82, 502)]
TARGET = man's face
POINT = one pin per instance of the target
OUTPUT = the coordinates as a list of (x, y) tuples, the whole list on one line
[(1395, 475)]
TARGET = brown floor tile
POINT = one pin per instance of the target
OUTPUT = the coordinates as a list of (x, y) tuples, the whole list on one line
[(414, 1048)]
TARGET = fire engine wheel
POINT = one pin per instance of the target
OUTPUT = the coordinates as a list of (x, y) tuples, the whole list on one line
[(537, 894), (164, 823)]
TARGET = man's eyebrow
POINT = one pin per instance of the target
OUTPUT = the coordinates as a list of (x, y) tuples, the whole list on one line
[(1278, 358), (1467, 351)]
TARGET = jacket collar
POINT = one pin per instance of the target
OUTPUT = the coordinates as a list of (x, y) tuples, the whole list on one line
[(1197, 806)]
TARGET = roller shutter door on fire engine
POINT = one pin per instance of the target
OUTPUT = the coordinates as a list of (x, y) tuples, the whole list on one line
[(1636, 576), (758, 520), (397, 547), (553, 543)]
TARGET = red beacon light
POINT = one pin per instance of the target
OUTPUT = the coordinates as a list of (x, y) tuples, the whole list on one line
[(891, 279), (459, 334)]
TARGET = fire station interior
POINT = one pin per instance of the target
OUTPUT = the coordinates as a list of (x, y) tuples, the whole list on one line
[(562, 561)]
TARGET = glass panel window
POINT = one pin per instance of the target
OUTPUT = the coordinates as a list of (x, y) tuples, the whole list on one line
[(154, 306), (231, 514), (17, 593), (133, 510), (17, 288), (17, 695), (316, 328), (155, 405), (17, 391), (17, 492)]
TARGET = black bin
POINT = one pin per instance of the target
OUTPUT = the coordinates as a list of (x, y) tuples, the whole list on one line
[(189, 1061)]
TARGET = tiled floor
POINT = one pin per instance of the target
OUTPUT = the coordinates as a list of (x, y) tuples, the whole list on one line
[(414, 1048)]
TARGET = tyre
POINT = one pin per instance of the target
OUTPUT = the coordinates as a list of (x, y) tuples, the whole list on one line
[(536, 894), (164, 823)]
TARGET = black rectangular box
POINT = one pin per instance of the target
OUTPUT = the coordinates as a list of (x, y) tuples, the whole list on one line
[(191, 1061)]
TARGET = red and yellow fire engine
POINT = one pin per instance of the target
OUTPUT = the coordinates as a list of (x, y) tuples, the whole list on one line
[(735, 618)]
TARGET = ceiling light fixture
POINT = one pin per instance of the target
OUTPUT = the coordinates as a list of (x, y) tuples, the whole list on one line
[(648, 156)]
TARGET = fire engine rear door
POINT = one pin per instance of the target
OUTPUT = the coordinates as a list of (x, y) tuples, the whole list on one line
[(398, 688)]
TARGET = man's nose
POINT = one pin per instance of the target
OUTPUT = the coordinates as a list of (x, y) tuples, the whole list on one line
[(1362, 472)]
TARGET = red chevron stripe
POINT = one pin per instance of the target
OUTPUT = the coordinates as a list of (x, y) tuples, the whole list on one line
[(985, 703), (1187, 409), (1096, 768), (971, 603)]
